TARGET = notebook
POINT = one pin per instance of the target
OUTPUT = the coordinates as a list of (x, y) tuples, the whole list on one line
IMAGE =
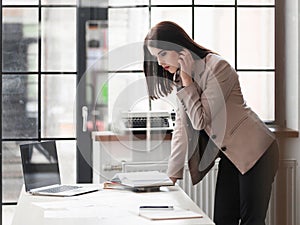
[(168, 214), (143, 179), (41, 171)]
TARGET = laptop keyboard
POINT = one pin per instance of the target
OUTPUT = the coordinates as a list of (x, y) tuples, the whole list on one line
[(60, 189)]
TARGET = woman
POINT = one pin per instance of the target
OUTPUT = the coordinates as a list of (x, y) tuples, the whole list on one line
[(210, 102)]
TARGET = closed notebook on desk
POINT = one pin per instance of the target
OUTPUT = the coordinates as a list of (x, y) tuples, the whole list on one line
[(143, 179)]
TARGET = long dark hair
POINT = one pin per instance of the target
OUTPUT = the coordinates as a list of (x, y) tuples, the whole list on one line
[(166, 35)]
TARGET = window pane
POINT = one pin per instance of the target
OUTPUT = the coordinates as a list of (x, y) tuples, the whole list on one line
[(20, 2), (58, 39), (215, 2), (255, 38), (256, 2), (126, 26), (12, 177), (127, 91), (20, 36), (258, 91), (58, 2), (167, 103), (127, 2), (171, 2), (214, 29), (58, 105), (174, 14), (19, 106)]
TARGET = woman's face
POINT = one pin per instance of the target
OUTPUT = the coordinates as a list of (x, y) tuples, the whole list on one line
[(168, 59)]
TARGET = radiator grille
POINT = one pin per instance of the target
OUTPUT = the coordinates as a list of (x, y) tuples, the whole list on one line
[(282, 207)]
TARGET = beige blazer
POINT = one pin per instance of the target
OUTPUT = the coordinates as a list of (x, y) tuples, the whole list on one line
[(214, 102)]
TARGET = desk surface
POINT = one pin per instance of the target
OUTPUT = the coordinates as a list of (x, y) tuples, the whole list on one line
[(105, 207)]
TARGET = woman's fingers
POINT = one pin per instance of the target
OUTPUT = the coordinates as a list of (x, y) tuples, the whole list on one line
[(186, 61), (173, 179)]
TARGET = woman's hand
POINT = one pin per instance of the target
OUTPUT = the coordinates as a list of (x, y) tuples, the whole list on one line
[(174, 179), (186, 63)]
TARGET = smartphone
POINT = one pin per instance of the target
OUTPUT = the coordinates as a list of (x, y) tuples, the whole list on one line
[(177, 75)]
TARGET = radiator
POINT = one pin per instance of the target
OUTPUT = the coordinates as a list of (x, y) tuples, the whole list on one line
[(282, 209)]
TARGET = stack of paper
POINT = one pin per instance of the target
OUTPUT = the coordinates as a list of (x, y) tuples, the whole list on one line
[(142, 179)]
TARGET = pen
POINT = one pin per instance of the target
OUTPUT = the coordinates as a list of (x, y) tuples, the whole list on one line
[(156, 207)]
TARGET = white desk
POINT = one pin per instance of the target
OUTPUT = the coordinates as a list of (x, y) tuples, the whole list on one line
[(105, 207)]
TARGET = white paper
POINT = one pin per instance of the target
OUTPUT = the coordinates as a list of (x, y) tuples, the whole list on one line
[(166, 214), (143, 179), (63, 204)]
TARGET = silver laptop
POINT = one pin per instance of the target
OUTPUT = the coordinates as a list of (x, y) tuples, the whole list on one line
[(41, 172)]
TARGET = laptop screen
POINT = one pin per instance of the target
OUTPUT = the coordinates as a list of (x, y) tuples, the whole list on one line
[(40, 164)]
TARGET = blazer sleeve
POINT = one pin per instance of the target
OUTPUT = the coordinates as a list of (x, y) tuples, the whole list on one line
[(179, 147), (202, 105)]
